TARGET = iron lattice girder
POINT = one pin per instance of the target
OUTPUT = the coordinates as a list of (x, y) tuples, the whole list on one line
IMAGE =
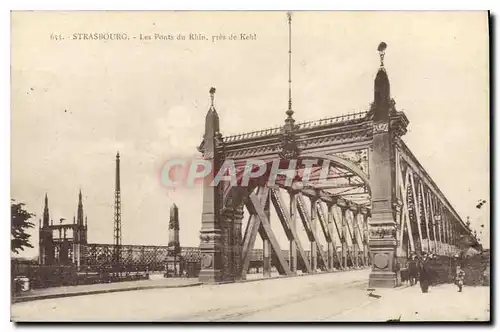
[(411, 161), (403, 181), (322, 222), (306, 221), (255, 205), (325, 185), (253, 227), (420, 210), (339, 177), (331, 224), (258, 218), (319, 190), (291, 232), (326, 196)]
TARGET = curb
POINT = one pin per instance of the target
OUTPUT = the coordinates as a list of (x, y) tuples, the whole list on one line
[(94, 292), (291, 276)]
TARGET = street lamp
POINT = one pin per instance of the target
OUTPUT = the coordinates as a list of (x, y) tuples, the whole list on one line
[(437, 222)]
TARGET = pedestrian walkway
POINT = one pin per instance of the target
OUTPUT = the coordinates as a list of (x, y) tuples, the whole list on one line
[(66, 291), (407, 304)]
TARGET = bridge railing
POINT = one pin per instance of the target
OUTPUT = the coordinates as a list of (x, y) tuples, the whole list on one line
[(300, 126), (332, 120), (41, 276)]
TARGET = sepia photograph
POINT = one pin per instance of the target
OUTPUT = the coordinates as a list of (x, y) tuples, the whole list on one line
[(250, 166)]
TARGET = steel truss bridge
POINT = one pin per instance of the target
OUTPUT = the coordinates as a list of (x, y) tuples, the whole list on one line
[(377, 202)]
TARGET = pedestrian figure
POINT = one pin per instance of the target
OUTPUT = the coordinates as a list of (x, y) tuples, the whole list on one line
[(413, 270), (459, 279), (425, 273)]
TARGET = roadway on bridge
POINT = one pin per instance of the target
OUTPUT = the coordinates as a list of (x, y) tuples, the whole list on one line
[(338, 296)]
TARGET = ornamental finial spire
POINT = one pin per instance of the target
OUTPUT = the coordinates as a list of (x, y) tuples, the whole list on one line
[(381, 51), (288, 148), (212, 96), (289, 112)]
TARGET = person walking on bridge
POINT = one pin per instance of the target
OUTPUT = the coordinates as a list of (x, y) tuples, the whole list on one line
[(425, 272), (413, 270), (459, 279)]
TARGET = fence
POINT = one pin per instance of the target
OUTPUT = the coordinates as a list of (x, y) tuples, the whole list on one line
[(99, 265)]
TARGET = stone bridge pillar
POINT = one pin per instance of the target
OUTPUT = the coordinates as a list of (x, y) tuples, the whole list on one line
[(211, 245), (388, 125)]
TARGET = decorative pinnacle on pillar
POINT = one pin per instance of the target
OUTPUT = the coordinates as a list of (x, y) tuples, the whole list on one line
[(211, 124), (212, 97), (288, 148), (381, 51), (382, 103), (289, 122)]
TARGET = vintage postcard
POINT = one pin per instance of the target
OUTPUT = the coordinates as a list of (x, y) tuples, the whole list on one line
[(177, 166)]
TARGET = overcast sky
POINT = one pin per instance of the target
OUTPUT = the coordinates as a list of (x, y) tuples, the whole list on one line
[(76, 102)]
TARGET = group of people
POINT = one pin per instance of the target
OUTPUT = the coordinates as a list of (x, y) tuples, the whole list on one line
[(420, 270)]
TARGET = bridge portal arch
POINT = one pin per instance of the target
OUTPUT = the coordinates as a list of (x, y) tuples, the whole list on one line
[(374, 209)]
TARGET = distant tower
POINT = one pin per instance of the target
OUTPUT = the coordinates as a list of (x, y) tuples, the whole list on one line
[(79, 212), (79, 232), (46, 247), (81, 225), (118, 212), (46, 216)]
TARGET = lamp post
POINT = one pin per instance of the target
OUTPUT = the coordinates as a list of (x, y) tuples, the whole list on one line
[(437, 221)]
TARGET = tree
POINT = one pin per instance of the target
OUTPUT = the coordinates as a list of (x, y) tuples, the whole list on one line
[(19, 224)]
